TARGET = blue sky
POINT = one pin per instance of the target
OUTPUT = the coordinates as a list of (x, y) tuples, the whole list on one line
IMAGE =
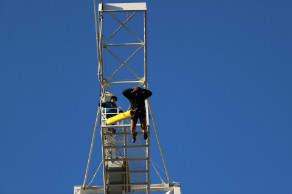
[(220, 69)]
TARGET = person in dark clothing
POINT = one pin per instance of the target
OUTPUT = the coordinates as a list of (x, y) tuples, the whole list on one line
[(110, 107), (137, 97)]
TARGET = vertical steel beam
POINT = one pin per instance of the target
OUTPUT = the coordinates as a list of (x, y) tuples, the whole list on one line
[(145, 51), (100, 46), (147, 107), (103, 157)]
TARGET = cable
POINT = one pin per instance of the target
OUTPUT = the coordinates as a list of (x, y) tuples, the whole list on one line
[(95, 174)]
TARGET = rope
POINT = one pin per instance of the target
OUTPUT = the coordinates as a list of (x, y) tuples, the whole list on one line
[(91, 147), (159, 167), (95, 173), (157, 137), (156, 171), (119, 152)]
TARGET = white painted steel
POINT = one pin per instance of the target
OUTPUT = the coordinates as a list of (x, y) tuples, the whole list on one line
[(109, 144), (122, 7), (120, 28), (169, 192), (126, 27), (126, 44), (146, 104), (128, 146), (127, 82), (134, 188), (160, 147), (91, 148), (177, 190), (90, 184), (141, 81), (126, 159), (123, 63), (129, 172), (120, 126)]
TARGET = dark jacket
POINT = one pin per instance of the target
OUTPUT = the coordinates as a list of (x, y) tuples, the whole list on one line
[(137, 101), (110, 108)]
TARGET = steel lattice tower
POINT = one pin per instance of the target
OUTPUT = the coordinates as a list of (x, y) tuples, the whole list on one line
[(120, 162)]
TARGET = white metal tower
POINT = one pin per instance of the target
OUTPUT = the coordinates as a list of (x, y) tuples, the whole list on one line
[(126, 166)]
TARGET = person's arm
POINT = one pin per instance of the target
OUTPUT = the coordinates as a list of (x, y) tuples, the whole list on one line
[(104, 104), (147, 93), (127, 93)]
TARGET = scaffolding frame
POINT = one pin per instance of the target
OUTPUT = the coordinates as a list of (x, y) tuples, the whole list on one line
[(170, 187)]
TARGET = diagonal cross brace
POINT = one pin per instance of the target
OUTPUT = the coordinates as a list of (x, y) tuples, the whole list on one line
[(123, 63), (123, 24)]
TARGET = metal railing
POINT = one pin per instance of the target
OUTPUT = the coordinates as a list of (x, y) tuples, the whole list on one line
[(107, 113)]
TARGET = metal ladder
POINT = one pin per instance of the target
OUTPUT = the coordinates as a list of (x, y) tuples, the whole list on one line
[(121, 160)]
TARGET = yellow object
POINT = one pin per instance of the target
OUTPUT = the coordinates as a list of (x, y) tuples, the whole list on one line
[(120, 117)]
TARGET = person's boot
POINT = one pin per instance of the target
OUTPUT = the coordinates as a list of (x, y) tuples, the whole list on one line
[(145, 134), (134, 137)]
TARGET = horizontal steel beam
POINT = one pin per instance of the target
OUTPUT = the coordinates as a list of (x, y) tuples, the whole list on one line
[(129, 172), (129, 184), (129, 146), (134, 188), (122, 133), (121, 7), (125, 44), (111, 134), (127, 82), (125, 159), (121, 126), (122, 11)]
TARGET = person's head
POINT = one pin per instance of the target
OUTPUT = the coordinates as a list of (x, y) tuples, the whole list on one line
[(114, 99), (136, 91)]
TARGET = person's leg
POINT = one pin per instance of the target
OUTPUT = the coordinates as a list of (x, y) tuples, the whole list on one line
[(110, 130), (133, 125), (143, 126), (133, 128)]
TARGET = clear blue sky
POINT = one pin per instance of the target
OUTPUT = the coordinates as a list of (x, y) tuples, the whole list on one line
[(221, 69)]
